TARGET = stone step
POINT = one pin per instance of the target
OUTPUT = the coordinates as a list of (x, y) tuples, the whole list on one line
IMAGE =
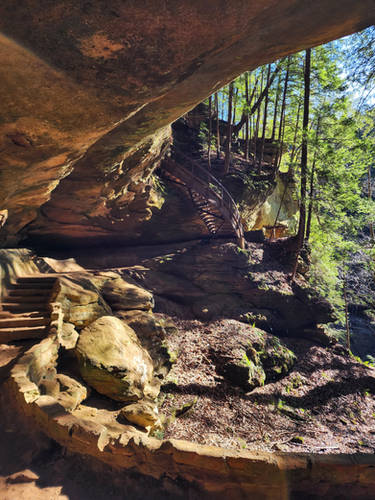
[(28, 314), (26, 299), (13, 334), (37, 279), (23, 321), (40, 286), (44, 292), (27, 307)]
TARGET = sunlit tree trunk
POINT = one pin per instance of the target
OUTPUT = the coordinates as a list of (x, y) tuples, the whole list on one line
[(275, 109), (247, 117), (294, 147), (229, 130), (302, 212), (369, 194), (264, 120), (312, 174), (217, 126), (209, 130)]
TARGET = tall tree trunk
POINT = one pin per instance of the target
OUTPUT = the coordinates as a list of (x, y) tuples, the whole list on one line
[(312, 174), (369, 194), (283, 104), (229, 130), (264, 120), (281, 145), (275, 109), (282, 116), (209, 130), (256, 132), (217, 126), (302, 212), (235, 98), (347, 327), (247, 117), (294, 147)]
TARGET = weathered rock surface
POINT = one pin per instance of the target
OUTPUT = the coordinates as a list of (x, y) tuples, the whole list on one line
[(143, 413), (251, 359), (152, 335), (113, 362), (114, 77), (216, 279), (68, 336), (126, 295), (71, 393), (80, 300)]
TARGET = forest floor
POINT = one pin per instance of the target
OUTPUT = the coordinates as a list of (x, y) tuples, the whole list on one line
[(326, 404)]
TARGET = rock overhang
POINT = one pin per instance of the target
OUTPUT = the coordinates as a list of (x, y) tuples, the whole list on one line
[(86, 85)]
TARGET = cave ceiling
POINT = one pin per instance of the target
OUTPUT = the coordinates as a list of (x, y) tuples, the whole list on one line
[(88, 91)]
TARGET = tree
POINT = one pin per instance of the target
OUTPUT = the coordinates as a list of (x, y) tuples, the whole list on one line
[(228, 145), (302, 213)]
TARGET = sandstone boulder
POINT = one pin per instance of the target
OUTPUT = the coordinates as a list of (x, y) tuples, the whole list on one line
[(252, 358), (113, 362), (152, 335), (72, 393), (143, 413), (68, 336)]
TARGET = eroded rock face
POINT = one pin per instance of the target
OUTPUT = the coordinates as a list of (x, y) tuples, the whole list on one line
[(126, 295), (80, 300), (152, 334), (114, 76), (216, 279), (112, 361)]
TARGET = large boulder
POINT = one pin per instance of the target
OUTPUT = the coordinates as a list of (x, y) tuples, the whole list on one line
[(113, 362), (151, 332), (252, 357)]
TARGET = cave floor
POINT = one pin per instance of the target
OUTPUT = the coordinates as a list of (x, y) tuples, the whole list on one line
[(326, 404)]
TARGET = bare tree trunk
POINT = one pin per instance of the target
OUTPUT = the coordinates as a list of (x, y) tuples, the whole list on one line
[(302, 212), (286, 82), (209, 130), (256, 132), (369, 193), (264, 120), (229, 130), (247, 117), (280, 148), (346, 314), (292, 154), (312, 174), (217, 126), (282, 117), (275, 109)]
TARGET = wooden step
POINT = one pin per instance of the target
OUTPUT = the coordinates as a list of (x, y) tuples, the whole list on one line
[(13, 334)]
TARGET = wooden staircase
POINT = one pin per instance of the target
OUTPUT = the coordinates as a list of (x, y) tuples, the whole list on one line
[(212, 200), (24, 311)]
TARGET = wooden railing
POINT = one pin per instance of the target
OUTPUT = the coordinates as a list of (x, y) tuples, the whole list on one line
[(199, 179)]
